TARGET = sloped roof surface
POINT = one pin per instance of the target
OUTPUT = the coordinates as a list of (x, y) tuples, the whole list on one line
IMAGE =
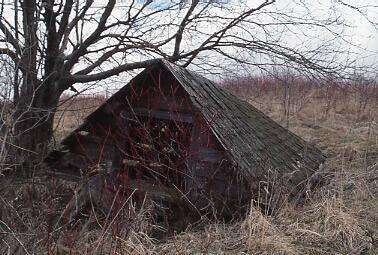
[(252, 140)]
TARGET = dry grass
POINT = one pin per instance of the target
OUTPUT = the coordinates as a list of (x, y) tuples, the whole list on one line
[(340, 217), (72, 111)]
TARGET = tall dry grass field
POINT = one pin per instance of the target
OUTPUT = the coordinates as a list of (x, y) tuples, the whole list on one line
[(72, 111), (339, 217)]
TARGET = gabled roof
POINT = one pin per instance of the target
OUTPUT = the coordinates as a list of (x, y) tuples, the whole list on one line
[(253, 141)]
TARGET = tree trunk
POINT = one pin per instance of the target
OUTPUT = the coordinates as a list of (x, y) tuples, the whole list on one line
[(38, 98), (33, 122)]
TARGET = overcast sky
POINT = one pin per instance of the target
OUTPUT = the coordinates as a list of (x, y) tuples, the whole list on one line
[(360, 32)]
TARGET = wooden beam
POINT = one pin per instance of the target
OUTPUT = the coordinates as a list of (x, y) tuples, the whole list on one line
[(158, 114)]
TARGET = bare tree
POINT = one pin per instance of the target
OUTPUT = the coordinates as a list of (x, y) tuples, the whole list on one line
[(55, 44)]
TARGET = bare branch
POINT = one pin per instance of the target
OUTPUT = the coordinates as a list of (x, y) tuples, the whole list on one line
[(9, 37), (65, 17), (78, 78), (81, 50), (73, 24), (360, 11), (220, 33), (182, 27), (13, 55)]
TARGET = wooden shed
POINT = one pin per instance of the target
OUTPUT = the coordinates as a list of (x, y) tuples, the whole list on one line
[(177, 136)]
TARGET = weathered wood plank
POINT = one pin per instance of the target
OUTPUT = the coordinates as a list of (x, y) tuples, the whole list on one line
[(166, 115)]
